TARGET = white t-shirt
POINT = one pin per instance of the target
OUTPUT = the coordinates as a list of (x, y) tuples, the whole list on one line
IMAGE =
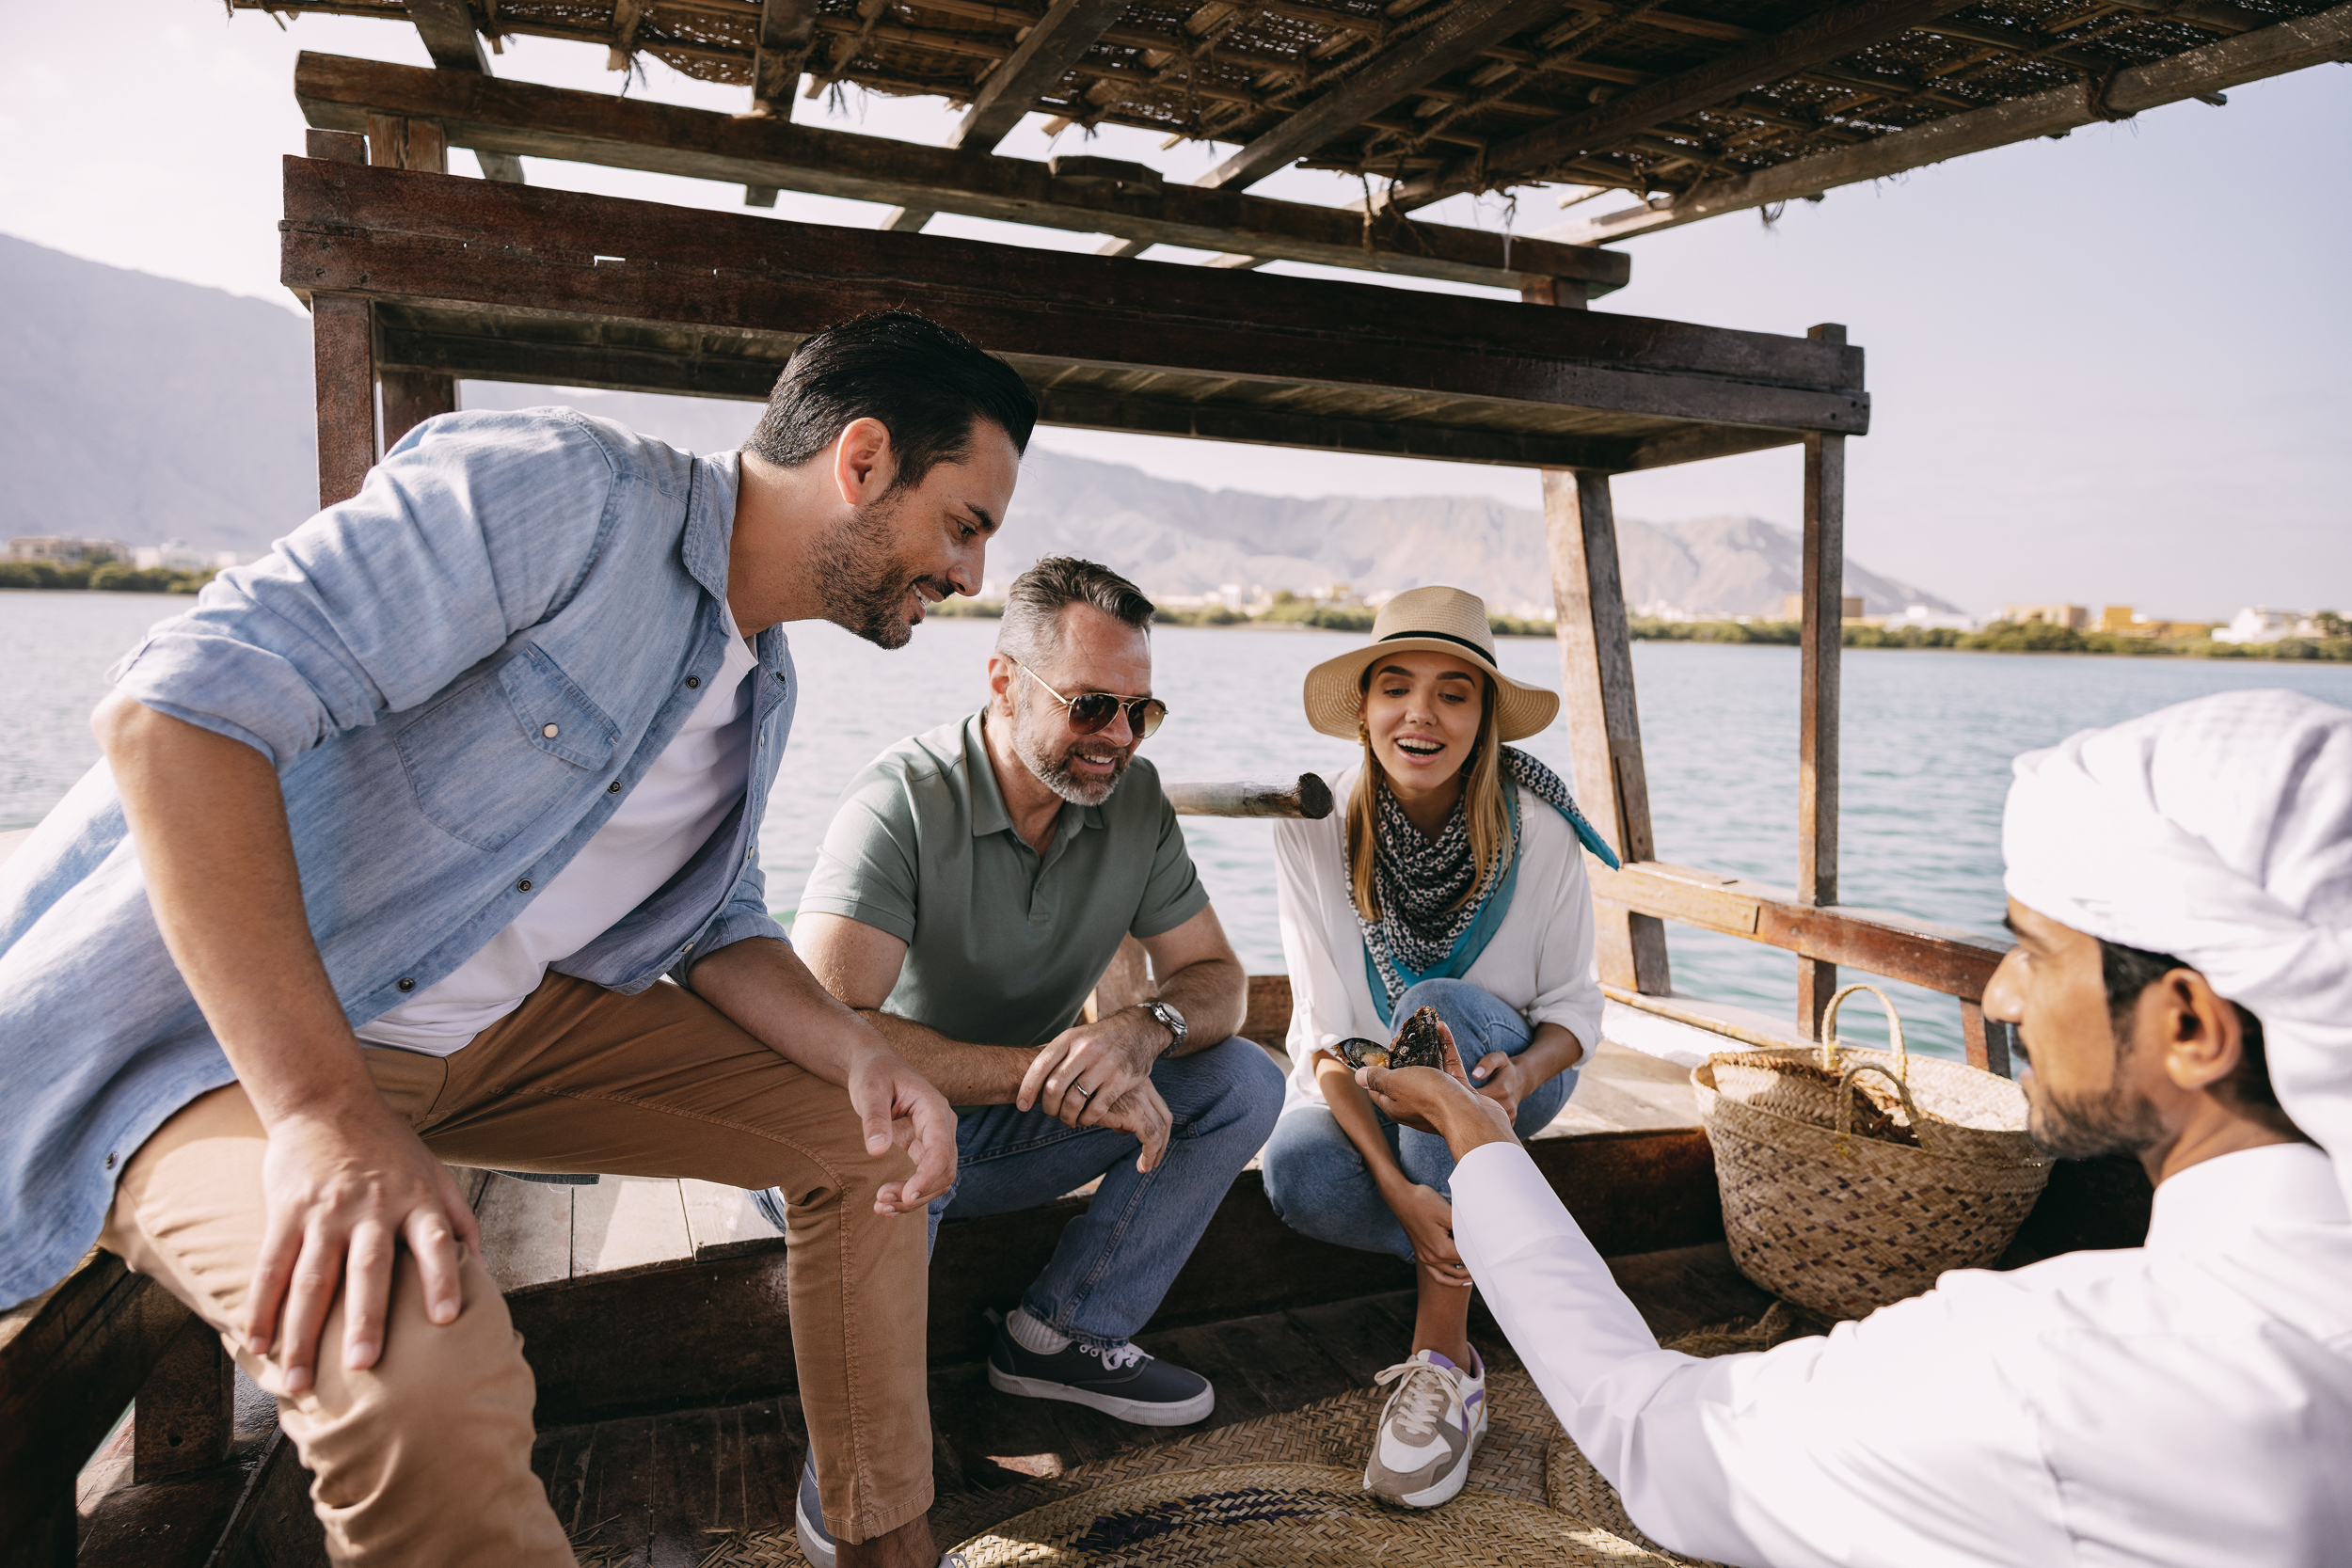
[(673, 810), (1539, 960)]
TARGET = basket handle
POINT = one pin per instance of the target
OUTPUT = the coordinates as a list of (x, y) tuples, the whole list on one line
[(1902, 1090), (1893, 1029)]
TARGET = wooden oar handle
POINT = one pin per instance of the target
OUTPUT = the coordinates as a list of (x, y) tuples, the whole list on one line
[(1308, 797)]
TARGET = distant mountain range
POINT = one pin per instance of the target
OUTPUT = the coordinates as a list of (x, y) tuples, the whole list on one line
[(140, 409)]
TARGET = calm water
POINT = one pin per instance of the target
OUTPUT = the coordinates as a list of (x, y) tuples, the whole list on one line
[(1928, 737)]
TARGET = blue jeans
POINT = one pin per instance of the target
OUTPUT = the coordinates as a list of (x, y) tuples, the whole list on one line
[(1115, 1261), (1320, 1185)]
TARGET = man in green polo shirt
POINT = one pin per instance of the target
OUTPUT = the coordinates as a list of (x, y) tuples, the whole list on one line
[(974, 886)]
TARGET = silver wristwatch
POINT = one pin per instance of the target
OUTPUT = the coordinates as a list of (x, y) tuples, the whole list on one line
[(1173, 1018)]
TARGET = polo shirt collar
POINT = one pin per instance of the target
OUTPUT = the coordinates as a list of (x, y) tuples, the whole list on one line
[(990, 813)]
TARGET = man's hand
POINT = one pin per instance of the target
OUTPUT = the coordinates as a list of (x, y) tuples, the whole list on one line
[(1429, 1222), (896, 1105), (1082, 1072), (1441, 1102), (342, 1192)]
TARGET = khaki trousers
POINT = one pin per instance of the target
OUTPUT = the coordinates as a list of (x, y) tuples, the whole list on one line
[(425, 1458)]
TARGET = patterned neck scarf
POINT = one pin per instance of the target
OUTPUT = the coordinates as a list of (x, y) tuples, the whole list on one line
[(1420, 881)]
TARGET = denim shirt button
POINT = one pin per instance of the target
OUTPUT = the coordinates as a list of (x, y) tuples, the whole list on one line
[(550, 731), (523, 886), (693, 680), (613, 789), (110, 1161), (406, 984)]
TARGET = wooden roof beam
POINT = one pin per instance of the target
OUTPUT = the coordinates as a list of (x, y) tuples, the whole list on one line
[(787, 30), (1824, 36), (1055, 46), (2271, 50), (1129, 201), (1464, 34), (448, 31)]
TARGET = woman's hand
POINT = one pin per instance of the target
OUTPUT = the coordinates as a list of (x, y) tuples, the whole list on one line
[(1429, 1222), (1502, 1080)]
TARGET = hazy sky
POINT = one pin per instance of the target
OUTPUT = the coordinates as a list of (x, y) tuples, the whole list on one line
[(2105, 368)]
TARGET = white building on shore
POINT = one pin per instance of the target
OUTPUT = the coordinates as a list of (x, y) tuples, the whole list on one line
[(2257, 623)]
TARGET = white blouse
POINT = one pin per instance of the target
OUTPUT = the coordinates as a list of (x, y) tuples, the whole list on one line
[(1539, 960), (2186, 1403)]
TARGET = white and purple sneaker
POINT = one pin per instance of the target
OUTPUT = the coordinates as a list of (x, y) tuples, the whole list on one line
[(1428, 1431)]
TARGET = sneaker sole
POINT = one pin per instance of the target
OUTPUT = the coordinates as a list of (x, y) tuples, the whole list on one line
[(1440, 1491), (1140, 1413), (814, 1546)]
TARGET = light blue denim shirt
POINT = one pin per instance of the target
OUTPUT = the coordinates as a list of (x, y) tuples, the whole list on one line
[(459, 674)]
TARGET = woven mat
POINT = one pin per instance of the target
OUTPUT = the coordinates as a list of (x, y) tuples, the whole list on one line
[(1525, 1469), (1263, 1515)]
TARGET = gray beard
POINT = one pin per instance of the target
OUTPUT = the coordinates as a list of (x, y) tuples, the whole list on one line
[(1052, 767)]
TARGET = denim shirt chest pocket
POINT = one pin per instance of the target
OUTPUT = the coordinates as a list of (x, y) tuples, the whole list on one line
[(495, 755)]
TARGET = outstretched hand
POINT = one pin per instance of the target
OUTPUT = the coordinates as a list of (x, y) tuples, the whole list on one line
[(1437, 1101)]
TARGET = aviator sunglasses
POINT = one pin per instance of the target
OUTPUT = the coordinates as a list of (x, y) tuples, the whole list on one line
[(1090, 711)]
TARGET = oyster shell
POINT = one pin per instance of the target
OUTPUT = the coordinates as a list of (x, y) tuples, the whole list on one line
[(1417, 1044)]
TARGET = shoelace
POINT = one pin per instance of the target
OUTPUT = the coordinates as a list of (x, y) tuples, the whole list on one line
[(1115, 1358), (1427, 1397)]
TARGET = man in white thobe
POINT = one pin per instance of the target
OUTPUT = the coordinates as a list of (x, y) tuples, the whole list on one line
[(2180, 889)]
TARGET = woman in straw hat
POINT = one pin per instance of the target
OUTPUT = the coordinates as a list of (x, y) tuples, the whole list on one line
[(1454, 879)]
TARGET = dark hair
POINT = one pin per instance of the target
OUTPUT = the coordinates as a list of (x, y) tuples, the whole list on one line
[(925, 383), (1031, 628), (2130, 971)]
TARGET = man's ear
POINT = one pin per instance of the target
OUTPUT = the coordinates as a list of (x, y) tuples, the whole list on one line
[(2202, 1037), (1001, 674), (864, 463)]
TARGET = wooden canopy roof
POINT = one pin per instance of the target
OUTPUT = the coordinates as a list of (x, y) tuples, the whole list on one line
[(496, 281), (1425, 98)]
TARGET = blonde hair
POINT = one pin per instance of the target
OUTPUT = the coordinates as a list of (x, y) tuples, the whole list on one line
[(1490, 819)]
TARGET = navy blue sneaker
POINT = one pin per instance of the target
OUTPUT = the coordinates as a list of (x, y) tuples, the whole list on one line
[(1119, 1379), (808, 1523), (808, 1519), (769, 1202)]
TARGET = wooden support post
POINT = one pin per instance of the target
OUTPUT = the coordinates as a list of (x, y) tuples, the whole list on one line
[(1822, 641), (1126, 982), (343, 352), (1604, 724), (397, 142), (412, 397), (186, 1410), (1988, 1042)]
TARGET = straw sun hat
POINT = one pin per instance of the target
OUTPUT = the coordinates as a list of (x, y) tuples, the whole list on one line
[(1441, 621)]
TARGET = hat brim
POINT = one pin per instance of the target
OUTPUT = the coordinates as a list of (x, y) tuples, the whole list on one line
[(1334, 700)]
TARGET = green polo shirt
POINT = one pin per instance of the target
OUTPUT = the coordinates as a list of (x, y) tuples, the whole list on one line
[(1003, 944)]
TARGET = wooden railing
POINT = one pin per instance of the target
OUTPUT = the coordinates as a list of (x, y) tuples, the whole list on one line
[(1957, 962)]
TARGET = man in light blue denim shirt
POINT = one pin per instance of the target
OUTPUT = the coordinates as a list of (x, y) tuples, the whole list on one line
[(442, 772)]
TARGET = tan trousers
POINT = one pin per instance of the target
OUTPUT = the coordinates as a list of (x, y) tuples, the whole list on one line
[(425, 1458)]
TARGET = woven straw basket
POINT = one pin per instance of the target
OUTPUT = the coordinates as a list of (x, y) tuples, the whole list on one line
[(1852, 1178)]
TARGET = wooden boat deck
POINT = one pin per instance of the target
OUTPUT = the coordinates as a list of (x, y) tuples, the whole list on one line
[(533, 1232)]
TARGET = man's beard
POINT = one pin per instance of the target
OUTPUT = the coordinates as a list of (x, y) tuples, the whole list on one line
[(1032, 743), (2118, 1120), (863, 585)]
